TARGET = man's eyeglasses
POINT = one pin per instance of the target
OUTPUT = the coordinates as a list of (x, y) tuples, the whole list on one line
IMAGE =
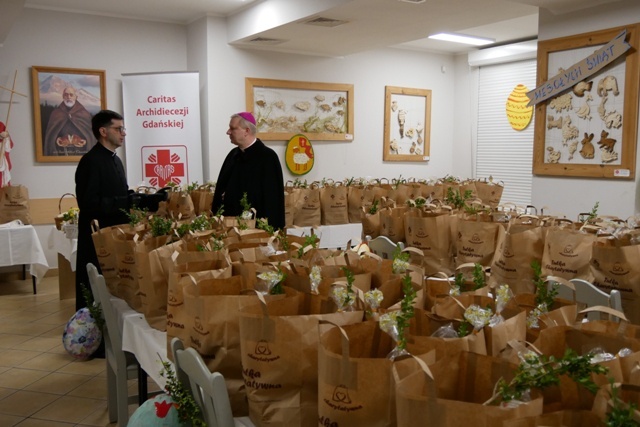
[(120, 129)]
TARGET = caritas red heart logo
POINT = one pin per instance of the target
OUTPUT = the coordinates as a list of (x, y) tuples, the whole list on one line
[(162, 164)]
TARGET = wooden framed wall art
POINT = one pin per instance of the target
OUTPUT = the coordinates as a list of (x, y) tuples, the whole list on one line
[(285, 108), (64, 101), (407, 124), (589, 127)]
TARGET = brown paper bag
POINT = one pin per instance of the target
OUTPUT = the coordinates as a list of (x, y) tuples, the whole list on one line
[(153, 296), (451, 392), (618, 268), (567, 252), (180, 205), (355, 382), (333, 204), (279, 345), (556, 340), (392, 223), (14, 204), (497, 337), (308, 211), (358, 197), (427, 329), (566, 418), (516, 248), (476, 240), (429, 231), (489, 192), (213, 307), (103, 241), (370, 223), (182, 268), (628, 394)]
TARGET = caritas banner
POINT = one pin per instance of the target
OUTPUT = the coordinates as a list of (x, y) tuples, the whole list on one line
[(162, 118)]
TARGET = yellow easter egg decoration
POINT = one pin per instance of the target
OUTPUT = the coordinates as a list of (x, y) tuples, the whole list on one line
[(299, 156), (518, 114)]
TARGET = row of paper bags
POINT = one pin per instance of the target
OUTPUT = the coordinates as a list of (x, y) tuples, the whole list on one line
[(509, 249), (337, 203)]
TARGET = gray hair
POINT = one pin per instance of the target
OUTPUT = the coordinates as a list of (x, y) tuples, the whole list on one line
[(246, 123)]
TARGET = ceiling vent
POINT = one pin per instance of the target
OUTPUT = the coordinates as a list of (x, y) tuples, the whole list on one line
[(325, 22), (414, 1), (266, 41)]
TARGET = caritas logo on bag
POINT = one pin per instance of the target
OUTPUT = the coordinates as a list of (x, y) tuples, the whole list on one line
[(162, 164)]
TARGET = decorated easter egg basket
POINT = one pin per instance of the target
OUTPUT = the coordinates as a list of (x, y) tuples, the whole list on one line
[(82, 335)]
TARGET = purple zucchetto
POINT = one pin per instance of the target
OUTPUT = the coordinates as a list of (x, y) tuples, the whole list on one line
[(248, 117)]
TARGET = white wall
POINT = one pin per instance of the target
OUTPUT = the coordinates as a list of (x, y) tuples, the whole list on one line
[(126, 46), (571, 196), (370, 72), (52, 39)]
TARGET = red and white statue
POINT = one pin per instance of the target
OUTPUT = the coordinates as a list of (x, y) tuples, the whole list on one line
[(6, 144)]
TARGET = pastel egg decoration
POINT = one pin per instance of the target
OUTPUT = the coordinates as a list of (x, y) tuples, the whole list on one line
[(161, 411), (518, 114), (82, 335)]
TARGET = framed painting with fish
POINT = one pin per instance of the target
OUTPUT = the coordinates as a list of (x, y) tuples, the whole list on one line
[(407, 124), (586, 104), (64, 101), (284, 108)]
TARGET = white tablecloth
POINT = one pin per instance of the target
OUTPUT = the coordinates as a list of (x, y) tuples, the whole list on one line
[(19, 245), (149, 345), (68, 248), (332, 236)]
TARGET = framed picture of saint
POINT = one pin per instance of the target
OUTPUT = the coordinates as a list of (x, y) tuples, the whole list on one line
[(64, 101)]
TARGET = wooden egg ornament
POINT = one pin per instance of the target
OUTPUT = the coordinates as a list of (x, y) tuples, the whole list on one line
[(299, 156), (518, 114)]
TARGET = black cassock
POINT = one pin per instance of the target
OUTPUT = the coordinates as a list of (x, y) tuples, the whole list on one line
[(102, 193), (257, 172)]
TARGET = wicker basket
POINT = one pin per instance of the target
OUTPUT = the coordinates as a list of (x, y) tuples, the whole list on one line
[(58, 219)]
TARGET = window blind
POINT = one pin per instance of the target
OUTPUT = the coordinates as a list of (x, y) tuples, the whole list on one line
[(502, 152)]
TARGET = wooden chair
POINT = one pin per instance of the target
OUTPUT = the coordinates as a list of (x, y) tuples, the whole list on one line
[(383, 246), (588, 295), (121, 365), (208, 388)]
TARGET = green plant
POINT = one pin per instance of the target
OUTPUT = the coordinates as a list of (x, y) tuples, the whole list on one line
[(540, 372), (544, 294), (374, 206), (478, 277), (456, 199), (621, 415), (160, 226), (263, 224), (94, 308), (594, 212), (308, 241), (135, 216), (400, 260), (464, 329), (350, 279), (406, 310), (193, 186), (188, 409), (71, 215), (183, 229)]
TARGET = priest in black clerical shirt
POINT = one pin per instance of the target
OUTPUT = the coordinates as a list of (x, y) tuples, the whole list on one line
[(101, 190)]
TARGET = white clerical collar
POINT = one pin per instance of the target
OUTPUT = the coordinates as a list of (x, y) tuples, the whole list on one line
[(254, 141)]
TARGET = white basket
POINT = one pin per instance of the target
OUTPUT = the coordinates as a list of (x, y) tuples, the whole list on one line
[(70, 230)]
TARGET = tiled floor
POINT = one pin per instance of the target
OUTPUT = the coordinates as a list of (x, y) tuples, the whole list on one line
[(40, 384)]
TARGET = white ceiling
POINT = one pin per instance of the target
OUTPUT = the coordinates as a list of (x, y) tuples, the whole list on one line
[(370, 24)]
